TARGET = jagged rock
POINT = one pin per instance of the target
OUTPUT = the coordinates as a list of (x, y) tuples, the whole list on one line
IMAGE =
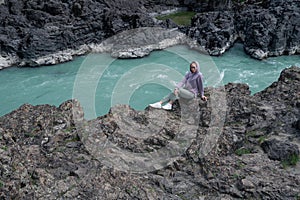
[(247, 185), (31, 32), (270, 31), (35, 29), (279, 150), (297, 124), (214, 31)]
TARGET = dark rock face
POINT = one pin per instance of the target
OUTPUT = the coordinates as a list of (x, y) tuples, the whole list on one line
[(33, 32), (271, 31), (215, 31), (34, 29), (278, 150), (50, 152)]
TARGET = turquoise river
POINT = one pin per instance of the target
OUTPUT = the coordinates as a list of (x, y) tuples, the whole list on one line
[(99, 81)]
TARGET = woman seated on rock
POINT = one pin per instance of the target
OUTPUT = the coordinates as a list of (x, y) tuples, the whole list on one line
[(188, 88)]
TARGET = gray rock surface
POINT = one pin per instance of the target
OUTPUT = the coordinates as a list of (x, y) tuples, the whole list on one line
[(272, 30), (266, 28), (214, 31), (50, 152), (140, 42)]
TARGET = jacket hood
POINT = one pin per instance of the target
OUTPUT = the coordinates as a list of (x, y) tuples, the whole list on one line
[(196, 73), (197, 67)]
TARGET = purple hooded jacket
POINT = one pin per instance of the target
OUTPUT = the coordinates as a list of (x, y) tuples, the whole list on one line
[(193, 81)]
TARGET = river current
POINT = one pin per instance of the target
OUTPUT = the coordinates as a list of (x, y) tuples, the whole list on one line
[(100, 81)]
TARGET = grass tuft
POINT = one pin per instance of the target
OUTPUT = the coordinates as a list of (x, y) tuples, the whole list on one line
[(180, 18), (242, 151), (290, 161)]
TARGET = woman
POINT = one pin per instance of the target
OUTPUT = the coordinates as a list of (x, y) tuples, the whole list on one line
[(188, 88)]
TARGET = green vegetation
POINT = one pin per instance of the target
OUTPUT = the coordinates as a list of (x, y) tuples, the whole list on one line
[(1, 184), (257, 134), (132, 189), (70, 129), (235, 176), (261, 139), (290, 161), (4, 148), (240, 164), (242, 151), (74, 138), (180, 18), (251, 134)]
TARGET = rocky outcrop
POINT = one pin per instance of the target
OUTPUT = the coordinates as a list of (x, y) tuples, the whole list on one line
[(271, 31), (214, 31), (266, 29), (33, 29), (233, 146), (34, 33), (136, 43)]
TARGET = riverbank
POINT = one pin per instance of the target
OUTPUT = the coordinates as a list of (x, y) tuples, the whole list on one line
[(34, 33)]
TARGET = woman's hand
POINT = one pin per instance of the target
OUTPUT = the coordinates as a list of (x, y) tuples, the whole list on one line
[(204, 98)]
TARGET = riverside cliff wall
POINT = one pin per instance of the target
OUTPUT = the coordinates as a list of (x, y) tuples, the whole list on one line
[(33, 32)]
